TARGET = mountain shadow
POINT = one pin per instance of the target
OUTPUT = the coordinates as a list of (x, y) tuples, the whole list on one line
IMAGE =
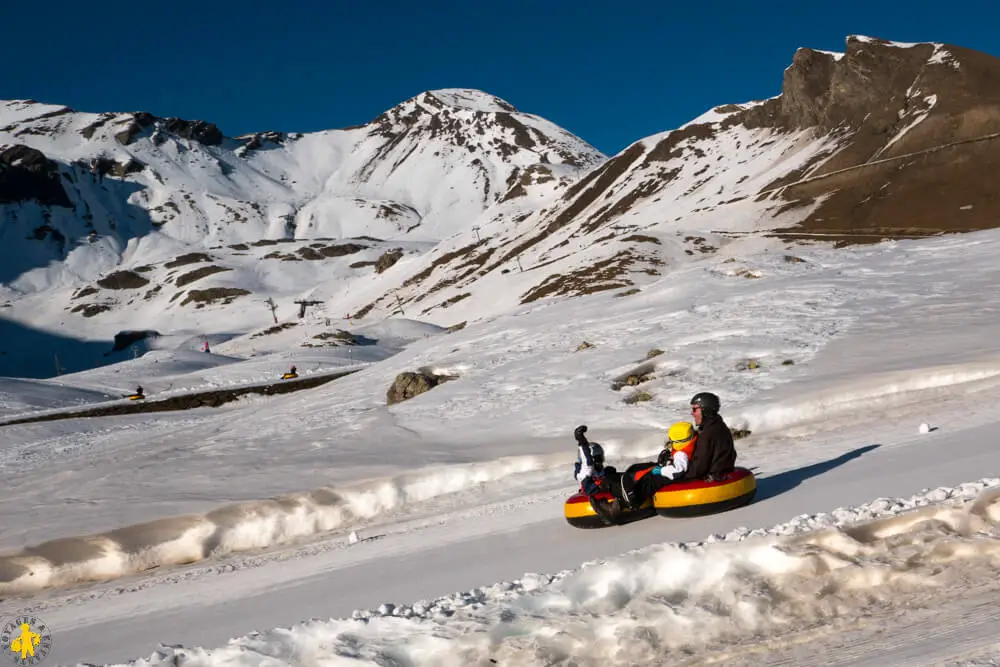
[(775, 485), (33, 353), (36, 230)]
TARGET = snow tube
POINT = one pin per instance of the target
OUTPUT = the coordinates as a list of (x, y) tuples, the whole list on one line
[(289, 376), (580, 512), (699, 497), (136, 397)]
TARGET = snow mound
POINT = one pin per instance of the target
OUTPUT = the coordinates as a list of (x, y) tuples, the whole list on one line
[(803, 575), (399, 330), (878, 391), (17, 396), (242, 526)]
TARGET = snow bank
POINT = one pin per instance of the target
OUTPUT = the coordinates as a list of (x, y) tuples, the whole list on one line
[(248, 525), (399, 330), (879, 391), (24, 395), (259, 524), (801, 575)]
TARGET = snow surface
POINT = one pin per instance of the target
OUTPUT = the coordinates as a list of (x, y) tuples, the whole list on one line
[(194, 527)]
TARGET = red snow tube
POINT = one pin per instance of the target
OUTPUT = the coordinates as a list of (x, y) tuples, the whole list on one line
[(580, 512)]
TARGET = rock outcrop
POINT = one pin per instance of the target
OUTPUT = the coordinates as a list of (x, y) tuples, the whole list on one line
[(906, 115), (410, 384), (26, 174)]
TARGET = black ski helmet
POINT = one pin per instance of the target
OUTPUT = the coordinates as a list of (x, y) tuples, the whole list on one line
[(708, 402)]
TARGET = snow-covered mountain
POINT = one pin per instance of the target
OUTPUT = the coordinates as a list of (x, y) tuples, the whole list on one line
[(454, 206), (119, 221), (885, 140)]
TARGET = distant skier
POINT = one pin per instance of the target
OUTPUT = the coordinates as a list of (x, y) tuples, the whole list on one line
[(205, 348)]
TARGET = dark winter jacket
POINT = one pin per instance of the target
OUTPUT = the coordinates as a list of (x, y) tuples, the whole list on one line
[(715, 453)]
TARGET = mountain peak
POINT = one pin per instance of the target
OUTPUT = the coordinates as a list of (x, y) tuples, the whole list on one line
[(467, 98)]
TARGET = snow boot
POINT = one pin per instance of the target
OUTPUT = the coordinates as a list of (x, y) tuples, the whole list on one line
[(617, 486), (609, 511)]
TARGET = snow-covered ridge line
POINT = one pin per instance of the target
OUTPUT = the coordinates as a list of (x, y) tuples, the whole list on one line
[(805, 572)]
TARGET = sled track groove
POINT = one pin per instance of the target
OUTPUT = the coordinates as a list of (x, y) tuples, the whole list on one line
[(213, 398)]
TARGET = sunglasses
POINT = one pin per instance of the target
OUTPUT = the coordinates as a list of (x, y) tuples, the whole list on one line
[(695, 408)]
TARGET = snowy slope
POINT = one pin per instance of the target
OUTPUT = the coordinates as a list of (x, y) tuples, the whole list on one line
[(837, 428)]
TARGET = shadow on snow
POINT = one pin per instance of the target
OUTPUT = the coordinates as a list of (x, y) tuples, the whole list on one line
[(774, 485)]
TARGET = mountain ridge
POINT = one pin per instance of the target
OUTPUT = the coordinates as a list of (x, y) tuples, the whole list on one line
[(454, 206)]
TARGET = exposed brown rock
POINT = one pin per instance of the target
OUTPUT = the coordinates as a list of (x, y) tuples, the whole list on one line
[(125, 338), (410, 384), (203, 297), (26, 175), (90, 309), (606, 274), (133, 127), (188, 258), (387, 259), (879, 181), (198, 274), (123, 280), (935, 178), (196, 130), (257, 139), (275, 329)]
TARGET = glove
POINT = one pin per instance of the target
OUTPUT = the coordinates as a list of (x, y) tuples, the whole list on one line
[(657, 470), (578, 434), (576, 469), (590, 486)]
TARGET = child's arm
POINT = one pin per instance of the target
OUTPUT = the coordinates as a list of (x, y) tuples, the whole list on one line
[(678, 466), (584, 463)]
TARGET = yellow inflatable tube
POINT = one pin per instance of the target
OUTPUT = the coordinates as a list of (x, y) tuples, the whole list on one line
[(699, 497)]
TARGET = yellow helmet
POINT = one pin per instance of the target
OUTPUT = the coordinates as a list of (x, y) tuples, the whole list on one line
[(680, 434)]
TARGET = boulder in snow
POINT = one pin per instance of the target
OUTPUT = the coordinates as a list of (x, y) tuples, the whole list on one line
[(410, 384)]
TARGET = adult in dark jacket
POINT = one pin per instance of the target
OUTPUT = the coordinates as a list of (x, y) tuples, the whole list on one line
[(715, 454)]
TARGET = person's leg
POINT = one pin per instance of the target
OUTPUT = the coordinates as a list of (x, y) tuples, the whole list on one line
[(610, 511), (631, 493), (650, 484)]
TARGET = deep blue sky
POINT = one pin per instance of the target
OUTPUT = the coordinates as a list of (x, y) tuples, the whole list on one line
[(611, 71)]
